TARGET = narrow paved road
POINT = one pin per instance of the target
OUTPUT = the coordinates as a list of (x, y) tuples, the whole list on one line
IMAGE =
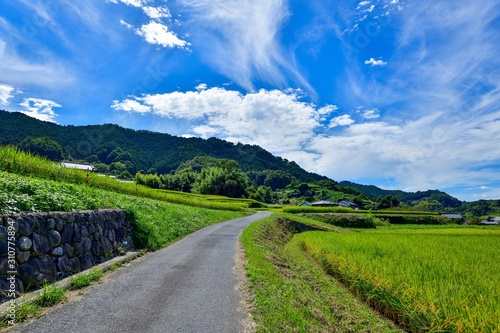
[(186, 287)]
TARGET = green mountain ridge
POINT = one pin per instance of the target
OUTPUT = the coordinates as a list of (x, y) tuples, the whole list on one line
[(373, 192), (141, 150)]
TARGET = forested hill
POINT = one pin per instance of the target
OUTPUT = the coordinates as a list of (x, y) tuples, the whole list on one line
[(409, 198), (139, 150)]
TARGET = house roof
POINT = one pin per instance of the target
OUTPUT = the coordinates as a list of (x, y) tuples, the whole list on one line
[(488, 222), (453, 216), (79, 166), (324, 203), (347, 203), (491, 221)]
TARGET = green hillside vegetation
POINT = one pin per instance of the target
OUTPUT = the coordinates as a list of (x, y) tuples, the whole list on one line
[(156, 222)]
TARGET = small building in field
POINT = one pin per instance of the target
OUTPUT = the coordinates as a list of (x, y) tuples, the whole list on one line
[(495, 220), (347, 203), (79, 166), (323, 203), (305, 204), (453, 216)]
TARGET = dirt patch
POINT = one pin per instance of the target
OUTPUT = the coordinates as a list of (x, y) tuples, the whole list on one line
[(247, 297)]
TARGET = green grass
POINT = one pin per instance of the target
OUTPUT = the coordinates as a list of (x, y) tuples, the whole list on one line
[(115, 266), (50, 295), (85, 279), (292, 294), (427, 279), (24, 311), (353, 220), (311, 209), (16, 161)]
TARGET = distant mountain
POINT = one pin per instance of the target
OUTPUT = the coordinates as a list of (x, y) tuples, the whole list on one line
[(141, 150), (409, 198)]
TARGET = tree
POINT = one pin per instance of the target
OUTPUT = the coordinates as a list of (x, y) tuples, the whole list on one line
[(388, 201), (224, 179), (43, 146)]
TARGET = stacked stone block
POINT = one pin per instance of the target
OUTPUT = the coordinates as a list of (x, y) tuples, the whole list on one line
[(54, 245)]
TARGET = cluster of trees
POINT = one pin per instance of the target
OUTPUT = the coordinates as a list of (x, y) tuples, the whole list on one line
[(209, 175), (204, 175)]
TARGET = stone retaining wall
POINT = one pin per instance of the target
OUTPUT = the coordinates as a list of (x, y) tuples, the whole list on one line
[(54, 245)]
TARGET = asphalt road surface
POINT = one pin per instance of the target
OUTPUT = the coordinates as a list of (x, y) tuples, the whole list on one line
[(186, 287)]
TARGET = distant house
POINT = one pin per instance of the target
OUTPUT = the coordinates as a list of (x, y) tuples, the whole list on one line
[(306, 204), (79, 166), (453, 216), (491, 221), (324, 203), (347, 203)]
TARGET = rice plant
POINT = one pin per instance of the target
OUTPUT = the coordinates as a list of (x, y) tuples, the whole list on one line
[(428, 280)]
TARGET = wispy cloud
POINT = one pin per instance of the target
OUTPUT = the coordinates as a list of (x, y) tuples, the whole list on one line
[(40, 109), (157, 12), (371, 114), (241, 40)]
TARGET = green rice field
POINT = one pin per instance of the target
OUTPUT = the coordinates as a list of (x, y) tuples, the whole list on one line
[(426, 279)]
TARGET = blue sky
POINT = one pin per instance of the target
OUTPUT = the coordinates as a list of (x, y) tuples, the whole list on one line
[(395, 93)]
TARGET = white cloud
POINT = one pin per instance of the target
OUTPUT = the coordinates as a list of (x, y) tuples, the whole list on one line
[(157, 12), (371, 114), (363, 3), (158, 34), (374, 62), (5, 93), (201, 86), (274, 119), (40, 109), (370, 9), (133, 3), (130, 105), (343, 120)]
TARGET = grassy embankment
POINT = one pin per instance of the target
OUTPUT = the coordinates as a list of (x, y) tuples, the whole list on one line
[(434, 278)]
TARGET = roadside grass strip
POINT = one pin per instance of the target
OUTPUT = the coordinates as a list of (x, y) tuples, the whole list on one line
[(427, 280), (292, 293), (85, 279)]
